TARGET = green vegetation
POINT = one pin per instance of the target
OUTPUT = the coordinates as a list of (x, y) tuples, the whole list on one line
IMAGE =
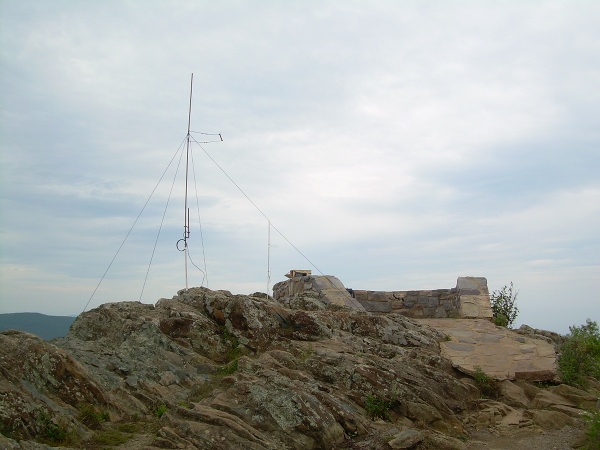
[(378, 407), (504, 306), (592, 434), (54, 432), (92, 417), (580, 355), (160, 410), (57, 433), (486, 384), (233, 343)]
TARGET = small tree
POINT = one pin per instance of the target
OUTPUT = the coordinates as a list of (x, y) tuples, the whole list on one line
[(504, 306), (580, 354)]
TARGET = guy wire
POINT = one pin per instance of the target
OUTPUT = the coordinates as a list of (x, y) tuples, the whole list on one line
[(161, 224), (132, 226)]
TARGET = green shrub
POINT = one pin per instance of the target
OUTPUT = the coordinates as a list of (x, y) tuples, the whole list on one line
[(160, 410), (592, 434), (504, 306), (580, 354), (500, 319), (57, 433), (486, 384), (378, 407), (54, 431)]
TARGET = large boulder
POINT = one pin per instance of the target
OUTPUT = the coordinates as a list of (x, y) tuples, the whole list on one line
[(315, 292), (251, 371), (41, 385)]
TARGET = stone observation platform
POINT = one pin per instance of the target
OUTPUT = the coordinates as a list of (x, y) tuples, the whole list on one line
[(462, 313)]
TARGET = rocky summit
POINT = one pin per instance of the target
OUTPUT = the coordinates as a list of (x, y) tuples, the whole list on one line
[(212, 370)]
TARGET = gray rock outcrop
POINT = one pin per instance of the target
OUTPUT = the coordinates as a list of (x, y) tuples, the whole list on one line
[(314, 292), (209, 369)]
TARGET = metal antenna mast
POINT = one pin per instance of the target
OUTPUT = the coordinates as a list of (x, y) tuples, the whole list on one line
[(186, 210), (182, 244), (268, 258)]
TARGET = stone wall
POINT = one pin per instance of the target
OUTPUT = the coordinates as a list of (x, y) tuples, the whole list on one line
[(469, 299), (427, 303)]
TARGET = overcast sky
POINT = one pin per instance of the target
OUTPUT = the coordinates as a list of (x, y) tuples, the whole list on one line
[(397, 144)]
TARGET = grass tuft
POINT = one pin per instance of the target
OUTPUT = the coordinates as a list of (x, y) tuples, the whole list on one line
[(377, 407), (486, 384)]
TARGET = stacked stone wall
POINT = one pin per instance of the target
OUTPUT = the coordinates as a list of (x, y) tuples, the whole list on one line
[(438, 303), (470, 298)]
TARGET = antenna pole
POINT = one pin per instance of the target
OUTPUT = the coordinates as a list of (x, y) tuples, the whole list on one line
[(268, 258), (186, 210)]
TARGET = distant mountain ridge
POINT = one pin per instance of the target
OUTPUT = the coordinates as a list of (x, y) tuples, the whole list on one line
[(46, 327)]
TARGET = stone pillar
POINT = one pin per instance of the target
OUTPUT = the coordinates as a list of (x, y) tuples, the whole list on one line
[(474, 298)]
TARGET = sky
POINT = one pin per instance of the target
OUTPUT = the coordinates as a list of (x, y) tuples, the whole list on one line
[(396, 145)]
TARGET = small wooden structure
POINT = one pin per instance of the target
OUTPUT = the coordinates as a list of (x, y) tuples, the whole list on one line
[(298, 273)]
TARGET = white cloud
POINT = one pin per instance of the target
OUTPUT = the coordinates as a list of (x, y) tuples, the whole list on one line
[(397, 145)]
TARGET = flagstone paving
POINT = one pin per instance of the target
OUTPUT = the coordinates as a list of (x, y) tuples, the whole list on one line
[(498, 351)]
